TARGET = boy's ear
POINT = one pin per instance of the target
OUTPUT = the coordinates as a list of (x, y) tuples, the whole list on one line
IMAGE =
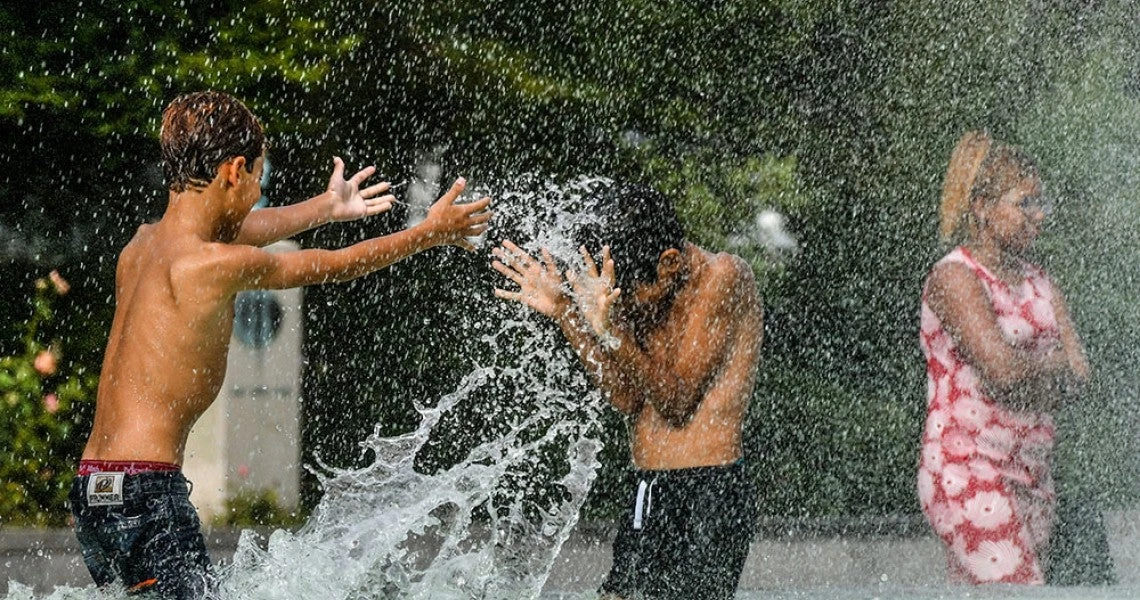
[(669, 264), (230, 171)]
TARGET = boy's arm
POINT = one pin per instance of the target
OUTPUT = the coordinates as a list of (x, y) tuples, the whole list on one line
[(618, 363), (342, 201), (623, 392), (447, 223), (725, 309), (540, 288)]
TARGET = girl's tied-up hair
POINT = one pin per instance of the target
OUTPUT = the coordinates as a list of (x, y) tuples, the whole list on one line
[(983, 169), (958, 188)]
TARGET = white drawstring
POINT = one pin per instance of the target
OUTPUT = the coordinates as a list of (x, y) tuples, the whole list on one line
[(644, 500)]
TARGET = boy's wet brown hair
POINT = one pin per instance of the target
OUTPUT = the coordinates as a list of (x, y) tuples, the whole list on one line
[(202, 130)]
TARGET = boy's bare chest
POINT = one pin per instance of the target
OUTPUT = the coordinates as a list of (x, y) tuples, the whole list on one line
[(663, 342)]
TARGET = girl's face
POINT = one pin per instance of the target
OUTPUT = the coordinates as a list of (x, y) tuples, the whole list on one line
[(1015, 219)]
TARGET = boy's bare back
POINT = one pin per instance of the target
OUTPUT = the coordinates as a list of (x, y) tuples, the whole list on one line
[(175, 286), (166, 356)]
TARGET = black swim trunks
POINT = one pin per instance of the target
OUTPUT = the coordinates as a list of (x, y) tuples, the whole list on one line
[(139, 528), (686, 534)]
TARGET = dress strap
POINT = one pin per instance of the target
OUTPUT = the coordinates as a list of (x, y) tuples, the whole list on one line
[(962, 254)]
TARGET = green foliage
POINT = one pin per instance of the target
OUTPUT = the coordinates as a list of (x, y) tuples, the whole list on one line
[(1083, 132), (821, 446), (82, 88), (258, 508), (840, 115), (148, 50), (41, 409), (720, 201)]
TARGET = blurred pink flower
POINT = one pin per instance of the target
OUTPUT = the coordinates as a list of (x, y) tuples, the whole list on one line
[(243, 471), (51, 403), (45, 363), (61, 284)]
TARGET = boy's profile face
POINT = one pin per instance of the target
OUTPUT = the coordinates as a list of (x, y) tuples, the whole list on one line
[(244, 190)]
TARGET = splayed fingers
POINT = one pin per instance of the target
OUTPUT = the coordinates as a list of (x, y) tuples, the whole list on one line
[(338, 171), (477, 223), (514, 262), (348, 201), (374, 202), (588, 260), (453, 193), (361, 175), (607, 265), (452, 223), (540, 284), (594, 292)]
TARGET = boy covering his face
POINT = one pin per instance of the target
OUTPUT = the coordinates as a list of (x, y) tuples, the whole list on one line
[(671, 333)]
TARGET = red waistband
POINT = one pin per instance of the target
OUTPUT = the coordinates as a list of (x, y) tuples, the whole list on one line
[(130, 467)]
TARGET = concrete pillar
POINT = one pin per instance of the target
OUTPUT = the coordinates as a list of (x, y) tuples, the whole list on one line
[(250, 438)]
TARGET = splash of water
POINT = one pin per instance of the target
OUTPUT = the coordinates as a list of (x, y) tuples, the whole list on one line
[(486, 527), (489, 526), (390, 531)]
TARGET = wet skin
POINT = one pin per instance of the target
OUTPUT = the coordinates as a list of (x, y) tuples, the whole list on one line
[(999, 237), (683, 370), (177, 279)]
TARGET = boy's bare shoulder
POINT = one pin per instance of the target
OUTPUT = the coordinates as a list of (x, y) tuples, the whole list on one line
[(729, 275), (737, 267), (189, 260), (135, 251), (223, 263), (141, 238)]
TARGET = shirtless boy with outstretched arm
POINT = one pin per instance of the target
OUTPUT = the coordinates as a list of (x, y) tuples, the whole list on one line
[(166, 357), (675, 348)]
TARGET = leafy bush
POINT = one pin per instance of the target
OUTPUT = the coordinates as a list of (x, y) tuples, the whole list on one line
[(42, 402), (260, 508)]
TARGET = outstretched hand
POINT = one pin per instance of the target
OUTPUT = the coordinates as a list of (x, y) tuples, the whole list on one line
[(347, 202), (540, 284), (594, 291), (451, 223)]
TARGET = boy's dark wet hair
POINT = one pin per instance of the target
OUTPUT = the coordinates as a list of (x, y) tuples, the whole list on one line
[(638, 224), (202, 130)]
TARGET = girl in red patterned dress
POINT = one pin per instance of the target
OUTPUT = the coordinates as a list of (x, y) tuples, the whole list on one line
[(1001, 354)]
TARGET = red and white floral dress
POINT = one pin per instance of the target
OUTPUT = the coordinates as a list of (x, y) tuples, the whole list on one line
[(984, 475)]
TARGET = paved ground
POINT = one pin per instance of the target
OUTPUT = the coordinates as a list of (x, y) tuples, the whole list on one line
[(891, 562), (869, 559)]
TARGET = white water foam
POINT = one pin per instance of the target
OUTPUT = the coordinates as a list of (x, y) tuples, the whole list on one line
[(489, 526)]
